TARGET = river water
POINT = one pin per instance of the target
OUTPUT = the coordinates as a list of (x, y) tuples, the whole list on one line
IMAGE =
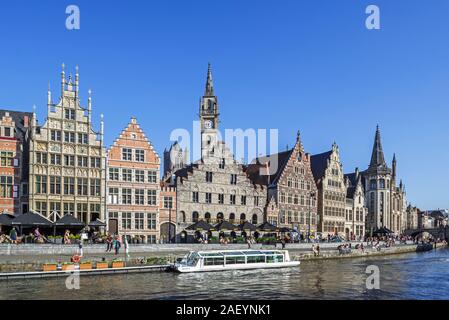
[(407, 276)]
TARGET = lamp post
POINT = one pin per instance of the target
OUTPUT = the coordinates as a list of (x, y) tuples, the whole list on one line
[(312, 196)]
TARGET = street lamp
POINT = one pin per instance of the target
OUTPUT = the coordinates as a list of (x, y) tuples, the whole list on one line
[(312, 196)]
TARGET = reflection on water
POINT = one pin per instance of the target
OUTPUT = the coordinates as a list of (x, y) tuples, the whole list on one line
[(409, 276)]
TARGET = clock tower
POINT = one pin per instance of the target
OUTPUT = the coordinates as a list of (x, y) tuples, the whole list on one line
[(209, 118)]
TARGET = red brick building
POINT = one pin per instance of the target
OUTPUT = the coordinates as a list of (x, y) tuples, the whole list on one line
[(133, 186), (14, 145)]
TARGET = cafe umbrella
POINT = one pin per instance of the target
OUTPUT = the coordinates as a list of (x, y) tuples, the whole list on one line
[(31, 220), (5, 220), (246, 226), (266, 227), (200, 225), (225, 225), (68, 222)]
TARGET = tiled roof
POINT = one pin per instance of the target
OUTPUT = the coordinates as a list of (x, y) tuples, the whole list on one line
[(253, 172), (319, 164)]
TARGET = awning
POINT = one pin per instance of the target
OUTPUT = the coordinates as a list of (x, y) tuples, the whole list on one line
[(5, 219), (247, 226), (97, 223), (266, 226), (200, 225), (69, 221), (225, 225), (31, 220)]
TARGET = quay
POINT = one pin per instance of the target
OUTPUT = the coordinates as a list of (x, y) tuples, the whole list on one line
[(15, 260)]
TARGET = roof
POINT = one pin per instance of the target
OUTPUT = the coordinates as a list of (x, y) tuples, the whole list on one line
[(18, 118), (69, 221), (319, 164), (253, 170)]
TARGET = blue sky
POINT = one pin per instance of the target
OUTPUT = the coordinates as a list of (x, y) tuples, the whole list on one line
[(308, 65)]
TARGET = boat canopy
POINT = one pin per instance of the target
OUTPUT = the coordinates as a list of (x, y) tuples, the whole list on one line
[(210, 254)]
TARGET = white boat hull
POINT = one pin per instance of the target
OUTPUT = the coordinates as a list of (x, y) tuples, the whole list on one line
[(185, 269)]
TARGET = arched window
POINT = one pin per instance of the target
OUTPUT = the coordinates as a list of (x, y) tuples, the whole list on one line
[(220, 217), (207, 217), (242, 218), (195, 216), (232, 217), (254, 220)]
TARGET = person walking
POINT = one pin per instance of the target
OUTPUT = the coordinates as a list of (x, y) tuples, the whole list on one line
[(109, 243), (248, 241), (283, 243), (117, 245)]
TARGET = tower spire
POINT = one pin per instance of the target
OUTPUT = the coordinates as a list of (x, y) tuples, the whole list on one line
[(377, 157), (209, 83)]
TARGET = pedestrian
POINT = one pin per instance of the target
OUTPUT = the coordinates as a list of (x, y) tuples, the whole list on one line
[(248, 241), (117, 245), (283, 243), (109, 243), (13, 235)]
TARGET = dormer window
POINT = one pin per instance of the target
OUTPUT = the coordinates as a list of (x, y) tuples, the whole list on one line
[(7, 131)]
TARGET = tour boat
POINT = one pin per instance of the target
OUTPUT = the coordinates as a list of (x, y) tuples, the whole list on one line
[(221, 260)]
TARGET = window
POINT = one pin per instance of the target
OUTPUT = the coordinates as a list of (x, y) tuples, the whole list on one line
[(221, 198), (55, 159), (382, 183), (55, 207), (168, 202), (69, 137), (232, 199), (69, 160), (94, 211), (69, 185), (55, 135), (82, 138), (113, 174), (140, 155), (152, 199), (151, 221), (373, 184), (7, 132), (222, 164), (195, 197), (233, 179), (41, 208), (195, 216), (282, 197), (70, 114), (55, 185), (82, 161), (242, 218), (208, 197), (41, 184), (127, 154), (243, 201), (6, 187), (69, 208), (256, 201), (138, 220), (139, 196), (152, 176), (113, 195), (6, 159), (95, 187), (95, 162), (126, 220), (81, 209), (254, 219), (140, 175), (209, 176), (207, 217), (127, 175), (41, 158), (126, 196), (82, 186)]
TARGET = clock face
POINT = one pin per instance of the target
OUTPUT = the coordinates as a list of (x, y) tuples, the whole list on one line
[(208, 124)]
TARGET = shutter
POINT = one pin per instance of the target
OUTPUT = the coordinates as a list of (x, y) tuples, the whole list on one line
[(16, 162)]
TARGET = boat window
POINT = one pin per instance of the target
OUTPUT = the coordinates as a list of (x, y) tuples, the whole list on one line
[(235, 260), (279, 258), (255, 259), (192, 259), (214, 261)]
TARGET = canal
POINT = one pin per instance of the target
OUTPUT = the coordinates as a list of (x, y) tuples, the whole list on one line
[(407, 276)]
